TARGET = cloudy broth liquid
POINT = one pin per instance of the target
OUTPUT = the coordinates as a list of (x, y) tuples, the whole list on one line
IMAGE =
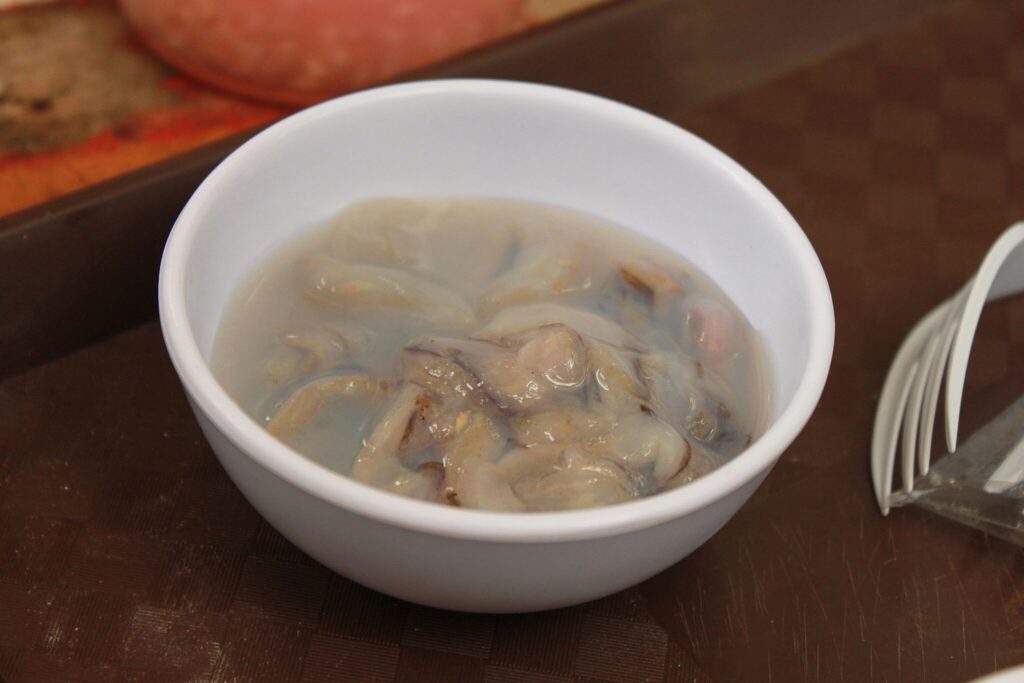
[(496, 354)]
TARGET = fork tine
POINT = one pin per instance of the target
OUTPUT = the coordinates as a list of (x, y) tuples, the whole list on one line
[(886, 434), (931, 403), (891, 405), (934, 364), (911, 418), (926, 370), (911, 414)]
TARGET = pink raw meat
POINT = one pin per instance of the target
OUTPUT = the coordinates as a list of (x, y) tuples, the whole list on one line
[(301, 51)]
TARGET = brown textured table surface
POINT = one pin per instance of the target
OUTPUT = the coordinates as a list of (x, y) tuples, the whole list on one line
[(126, 554)]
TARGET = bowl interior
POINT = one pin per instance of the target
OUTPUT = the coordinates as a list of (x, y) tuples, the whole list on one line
[(516, 141)]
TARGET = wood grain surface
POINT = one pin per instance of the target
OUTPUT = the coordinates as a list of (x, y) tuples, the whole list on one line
[(126, 553)]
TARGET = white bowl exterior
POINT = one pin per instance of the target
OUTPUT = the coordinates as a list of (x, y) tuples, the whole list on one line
[(510, 140), (461, 574)]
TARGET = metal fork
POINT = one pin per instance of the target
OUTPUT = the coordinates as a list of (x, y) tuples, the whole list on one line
[(940, 342)]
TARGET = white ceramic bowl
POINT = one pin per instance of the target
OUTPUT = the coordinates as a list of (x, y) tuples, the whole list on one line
[(512, 140)]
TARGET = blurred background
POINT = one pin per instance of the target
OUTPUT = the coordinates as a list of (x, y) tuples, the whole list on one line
[(92, 89)]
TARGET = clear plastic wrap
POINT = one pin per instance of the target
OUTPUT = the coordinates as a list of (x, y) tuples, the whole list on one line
[(982, 483)]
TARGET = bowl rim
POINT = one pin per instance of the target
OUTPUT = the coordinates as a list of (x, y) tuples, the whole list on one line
[(361, 499)]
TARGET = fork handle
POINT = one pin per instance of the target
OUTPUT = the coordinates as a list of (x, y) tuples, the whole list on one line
[(1010, 279), (1006, 258)]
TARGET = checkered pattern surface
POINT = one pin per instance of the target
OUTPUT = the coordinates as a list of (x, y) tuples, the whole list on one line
[(126, 554)]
